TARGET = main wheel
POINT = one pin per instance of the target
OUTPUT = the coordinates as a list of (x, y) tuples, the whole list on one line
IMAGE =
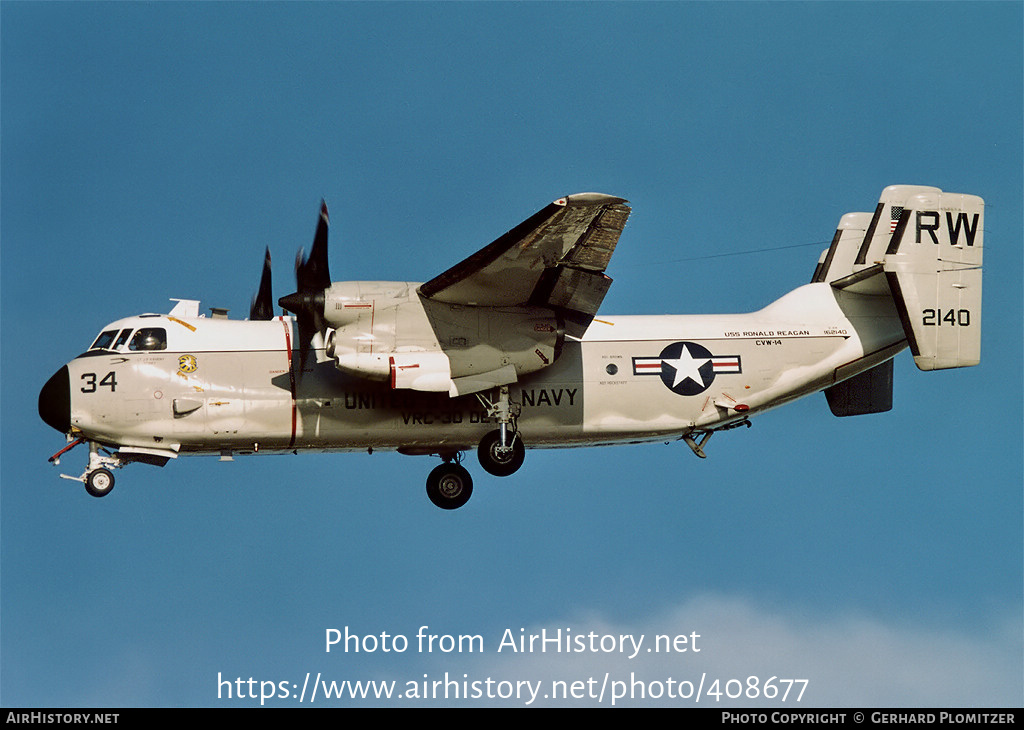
[(99, 482), (500, 462), (449, 486)]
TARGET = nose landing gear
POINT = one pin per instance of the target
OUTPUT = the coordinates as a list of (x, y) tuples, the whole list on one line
[(98, 476)]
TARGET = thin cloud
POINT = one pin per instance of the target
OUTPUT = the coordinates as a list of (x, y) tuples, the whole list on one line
[(847, 660)]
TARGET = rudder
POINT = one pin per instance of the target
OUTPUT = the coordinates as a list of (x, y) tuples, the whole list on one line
[(932, 264)]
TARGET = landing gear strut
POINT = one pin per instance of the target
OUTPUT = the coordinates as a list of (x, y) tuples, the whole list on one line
[(501, 452), (449, 486), (98, 476), (697, 447)]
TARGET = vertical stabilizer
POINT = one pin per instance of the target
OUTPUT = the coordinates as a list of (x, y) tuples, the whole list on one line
[(932, 263), (837, 261)]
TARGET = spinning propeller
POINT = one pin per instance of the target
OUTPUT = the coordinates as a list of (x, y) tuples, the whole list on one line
[(311, 277), (262, 307)]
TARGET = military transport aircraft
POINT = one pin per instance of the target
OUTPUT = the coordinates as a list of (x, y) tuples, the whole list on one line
[(504, 350)]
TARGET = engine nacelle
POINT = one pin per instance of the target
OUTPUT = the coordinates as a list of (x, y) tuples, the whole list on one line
[(360, 364), (386, 331), (354, 302), (417, 370), (420, 371)]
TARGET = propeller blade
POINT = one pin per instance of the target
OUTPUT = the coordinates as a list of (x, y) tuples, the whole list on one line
[(312, 277), (314, 273), (262, 307)]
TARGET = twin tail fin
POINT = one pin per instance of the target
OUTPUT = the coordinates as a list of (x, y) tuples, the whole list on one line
[(922, 247)]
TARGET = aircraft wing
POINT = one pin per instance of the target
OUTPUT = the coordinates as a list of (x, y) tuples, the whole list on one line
[(556, 259)]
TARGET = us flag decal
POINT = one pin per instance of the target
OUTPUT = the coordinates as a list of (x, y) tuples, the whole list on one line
[(894, 217)]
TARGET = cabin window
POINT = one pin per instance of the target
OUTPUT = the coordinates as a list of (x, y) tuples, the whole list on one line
[(122, 338), (149, 338), (103, 341)]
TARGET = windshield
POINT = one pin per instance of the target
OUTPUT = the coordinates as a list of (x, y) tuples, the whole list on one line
[(104, 340)]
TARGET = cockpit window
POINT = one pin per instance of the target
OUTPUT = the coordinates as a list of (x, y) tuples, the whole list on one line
[(149, 338), (122, 338), (103, 341)]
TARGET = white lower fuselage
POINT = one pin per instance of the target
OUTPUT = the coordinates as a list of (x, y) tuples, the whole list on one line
[(630, 379)]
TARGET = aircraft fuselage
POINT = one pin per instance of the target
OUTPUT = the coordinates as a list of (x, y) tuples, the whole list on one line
[(234, 386)]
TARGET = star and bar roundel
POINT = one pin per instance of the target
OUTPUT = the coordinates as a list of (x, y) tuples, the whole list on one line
[(686, 368)]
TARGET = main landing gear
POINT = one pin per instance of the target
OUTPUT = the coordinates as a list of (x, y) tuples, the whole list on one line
[(501, 460), (449, 486), (98, 476), (501, 453)]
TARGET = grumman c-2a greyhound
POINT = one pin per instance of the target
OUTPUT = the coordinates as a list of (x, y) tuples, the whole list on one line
[(504, 350)]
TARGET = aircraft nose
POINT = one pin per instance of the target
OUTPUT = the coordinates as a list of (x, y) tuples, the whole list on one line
[(55, 401)]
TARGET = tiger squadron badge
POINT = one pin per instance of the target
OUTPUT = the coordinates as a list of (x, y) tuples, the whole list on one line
[(187, 364)]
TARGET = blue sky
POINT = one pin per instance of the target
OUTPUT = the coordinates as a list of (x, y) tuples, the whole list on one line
[(152, 151)]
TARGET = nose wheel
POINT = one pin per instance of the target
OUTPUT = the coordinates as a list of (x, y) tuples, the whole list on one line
[(98, 476), (99, 482)]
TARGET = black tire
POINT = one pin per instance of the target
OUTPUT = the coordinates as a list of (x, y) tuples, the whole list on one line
[(99, 482), (449, 486), (496, 463)]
